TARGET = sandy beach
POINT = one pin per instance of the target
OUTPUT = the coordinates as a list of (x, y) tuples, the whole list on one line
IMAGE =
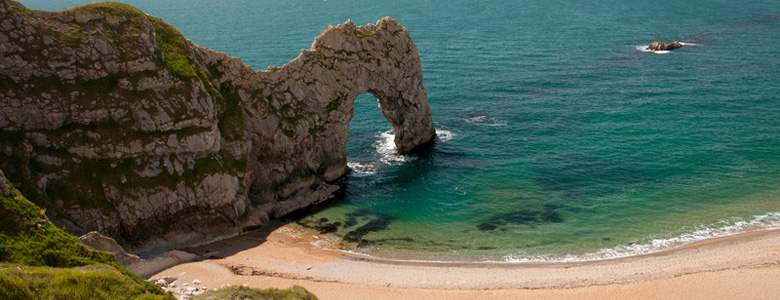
[(744, 266)]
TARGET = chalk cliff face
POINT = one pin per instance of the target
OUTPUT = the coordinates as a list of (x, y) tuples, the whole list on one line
[(116, 123)]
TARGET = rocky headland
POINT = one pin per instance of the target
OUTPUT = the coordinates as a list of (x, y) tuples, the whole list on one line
[(114, 122)]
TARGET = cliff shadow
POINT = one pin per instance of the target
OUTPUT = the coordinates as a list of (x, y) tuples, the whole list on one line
[(231, 246)]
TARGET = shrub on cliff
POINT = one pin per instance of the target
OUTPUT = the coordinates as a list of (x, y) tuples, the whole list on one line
[(40, 261)]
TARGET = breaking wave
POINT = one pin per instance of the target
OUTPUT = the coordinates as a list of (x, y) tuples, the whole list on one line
[(484, 120), (721, 229)]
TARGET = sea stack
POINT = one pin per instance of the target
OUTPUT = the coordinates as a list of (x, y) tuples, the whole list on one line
[(664, 46), (116, 123)]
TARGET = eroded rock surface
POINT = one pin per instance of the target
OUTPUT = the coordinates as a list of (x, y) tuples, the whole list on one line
[(116, 123), (663, 46)]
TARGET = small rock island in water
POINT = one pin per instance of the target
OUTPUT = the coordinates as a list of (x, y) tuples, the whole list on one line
[(664, 46)]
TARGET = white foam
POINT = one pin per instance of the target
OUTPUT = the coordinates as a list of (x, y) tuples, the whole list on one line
[(643, 48), (444, 135), (688, 44), (365, 168), (484, 120), (721, 229), (477, 119), (385, 146)]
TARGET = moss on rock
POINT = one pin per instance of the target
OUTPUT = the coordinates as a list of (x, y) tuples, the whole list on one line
[(174, 47)]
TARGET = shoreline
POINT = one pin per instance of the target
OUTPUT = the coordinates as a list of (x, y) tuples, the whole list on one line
[(280, 259)]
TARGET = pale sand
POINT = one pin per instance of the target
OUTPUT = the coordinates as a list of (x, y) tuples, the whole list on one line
[(745, 266)]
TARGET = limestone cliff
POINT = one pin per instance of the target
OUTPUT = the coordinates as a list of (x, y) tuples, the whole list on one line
[(116, 123)]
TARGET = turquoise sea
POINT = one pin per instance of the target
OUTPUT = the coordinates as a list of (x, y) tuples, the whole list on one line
[(559, 139)]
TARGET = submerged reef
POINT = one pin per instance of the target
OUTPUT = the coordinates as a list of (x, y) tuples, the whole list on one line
[(114, 122)]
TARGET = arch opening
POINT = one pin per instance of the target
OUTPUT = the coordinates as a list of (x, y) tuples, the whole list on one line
[(370, 145)]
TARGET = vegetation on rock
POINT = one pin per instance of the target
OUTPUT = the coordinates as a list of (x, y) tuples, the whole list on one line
[(40, 261), (241, 292)]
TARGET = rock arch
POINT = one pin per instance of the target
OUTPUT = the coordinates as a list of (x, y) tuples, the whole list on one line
[(159, 143), (346, 61), (305, 106)]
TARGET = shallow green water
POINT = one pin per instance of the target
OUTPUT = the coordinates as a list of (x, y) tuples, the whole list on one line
[(558, 138)]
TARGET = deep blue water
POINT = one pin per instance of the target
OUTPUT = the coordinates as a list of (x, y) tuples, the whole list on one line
[(558, 138)]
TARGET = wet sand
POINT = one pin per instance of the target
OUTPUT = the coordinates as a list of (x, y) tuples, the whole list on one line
[(744, 266)]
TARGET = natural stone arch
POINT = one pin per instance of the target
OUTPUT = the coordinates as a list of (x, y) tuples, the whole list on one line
[(367, 127), (311, 100), (172, 144)]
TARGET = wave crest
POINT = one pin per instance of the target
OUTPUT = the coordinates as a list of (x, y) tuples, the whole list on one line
[(721, 229), (444, 135), (484, 120), (643, 48)]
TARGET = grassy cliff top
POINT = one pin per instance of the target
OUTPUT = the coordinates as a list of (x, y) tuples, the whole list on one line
[(173, 44), (40, 261)]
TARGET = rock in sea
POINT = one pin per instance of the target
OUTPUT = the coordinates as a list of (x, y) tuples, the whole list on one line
[(662, 46)]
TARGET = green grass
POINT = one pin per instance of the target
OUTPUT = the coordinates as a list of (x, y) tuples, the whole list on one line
[(88, 282), (74, 36), (173, 45), (28, 238), (241, 292), (112, 8), (40, 259), (364, 34), (172, 42)]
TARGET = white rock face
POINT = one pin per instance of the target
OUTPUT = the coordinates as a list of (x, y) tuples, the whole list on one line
[(115, 123)]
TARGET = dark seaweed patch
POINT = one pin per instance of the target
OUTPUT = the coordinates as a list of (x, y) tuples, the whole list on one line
[(328, 228), (577, 175), (360, 213), (374, 225), (350, 222), (488, 226), (530, 217), (550, 217), (321, 225), (352, 218), (365, 242)]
